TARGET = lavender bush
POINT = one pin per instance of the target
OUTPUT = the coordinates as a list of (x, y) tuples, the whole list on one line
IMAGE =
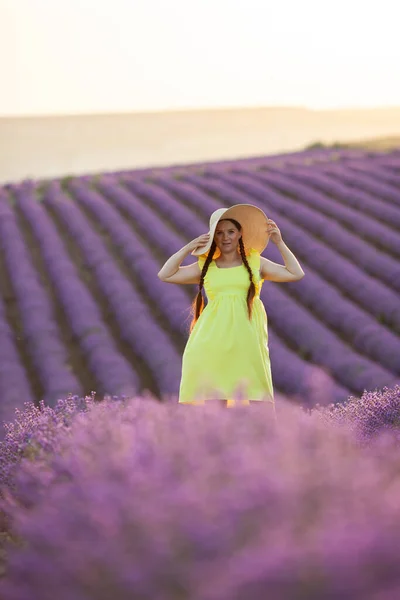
[(142, 500), (375, 412), (34, 428)]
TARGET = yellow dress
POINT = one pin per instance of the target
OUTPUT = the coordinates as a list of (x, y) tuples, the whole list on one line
[(227, 353)]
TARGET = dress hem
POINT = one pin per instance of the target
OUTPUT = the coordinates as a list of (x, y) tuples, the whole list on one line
[(230, 401)]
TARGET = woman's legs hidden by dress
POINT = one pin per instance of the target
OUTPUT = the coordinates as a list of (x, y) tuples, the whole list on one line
[(229, 402)]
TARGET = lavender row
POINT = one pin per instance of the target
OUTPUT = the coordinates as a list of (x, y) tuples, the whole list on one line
[(171, 301), (324, 348), (113, 373), (310, 157), (136, 324), (367, 335), (294, 379), (364, 332), (390, 162), (378, 173), (369, 371), (296, 157), (167, 206), (381, 235), (357, 285), (303, 157), (41, 332), (301, 379), (175, 299), (378, 264), (367, 176), (203, 204), (149, 222), (363, 192), (15, 388)]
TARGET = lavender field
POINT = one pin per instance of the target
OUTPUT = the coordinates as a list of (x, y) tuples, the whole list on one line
[(141, 499), (128, 498), (82, 309)]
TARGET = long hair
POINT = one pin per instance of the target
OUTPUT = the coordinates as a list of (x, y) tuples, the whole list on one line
[(197, 305)]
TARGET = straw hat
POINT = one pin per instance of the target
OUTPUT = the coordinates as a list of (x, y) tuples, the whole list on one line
[(254, 224)]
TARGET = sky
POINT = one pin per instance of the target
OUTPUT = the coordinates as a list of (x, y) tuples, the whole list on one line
[(98, 56)]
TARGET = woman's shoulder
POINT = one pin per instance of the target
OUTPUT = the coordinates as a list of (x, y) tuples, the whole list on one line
[(254, 260), (253, 255), (202, 259)]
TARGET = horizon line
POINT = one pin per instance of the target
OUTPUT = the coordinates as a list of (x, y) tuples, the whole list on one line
[(208, 109)]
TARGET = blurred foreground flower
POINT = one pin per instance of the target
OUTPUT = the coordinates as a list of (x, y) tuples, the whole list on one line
[(368, 416), (148, 500)]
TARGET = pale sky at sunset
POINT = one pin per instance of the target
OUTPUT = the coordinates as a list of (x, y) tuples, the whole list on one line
[(93, 56)]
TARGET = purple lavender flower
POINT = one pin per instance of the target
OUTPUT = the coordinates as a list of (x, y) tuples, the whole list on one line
[(237, 505)]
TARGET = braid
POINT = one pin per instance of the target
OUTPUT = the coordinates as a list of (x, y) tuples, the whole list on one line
[(252, 289), (198, 302)]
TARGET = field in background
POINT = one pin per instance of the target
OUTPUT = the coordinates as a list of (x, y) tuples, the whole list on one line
[(81, 307), (59, 145), (383, 144)]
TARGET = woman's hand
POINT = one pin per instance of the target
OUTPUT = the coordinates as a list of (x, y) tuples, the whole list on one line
[(198, 242), (274, 232)]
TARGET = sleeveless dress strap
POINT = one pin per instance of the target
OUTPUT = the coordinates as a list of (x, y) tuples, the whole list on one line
[(201, 260), (254, 260), (255, 257)]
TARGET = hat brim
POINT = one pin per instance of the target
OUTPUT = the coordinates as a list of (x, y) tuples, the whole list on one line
[(254, 224)]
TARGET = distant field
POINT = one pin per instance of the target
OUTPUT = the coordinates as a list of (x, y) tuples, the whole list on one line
[(81, 307), (74, 145), (384, 144)]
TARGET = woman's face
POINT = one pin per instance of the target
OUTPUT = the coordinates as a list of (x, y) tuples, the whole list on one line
[(226, 236)]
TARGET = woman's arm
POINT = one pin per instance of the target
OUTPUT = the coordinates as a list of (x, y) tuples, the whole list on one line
[(291, 271), (172, 272)]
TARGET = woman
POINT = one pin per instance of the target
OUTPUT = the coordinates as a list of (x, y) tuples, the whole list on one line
[(227, 352)]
